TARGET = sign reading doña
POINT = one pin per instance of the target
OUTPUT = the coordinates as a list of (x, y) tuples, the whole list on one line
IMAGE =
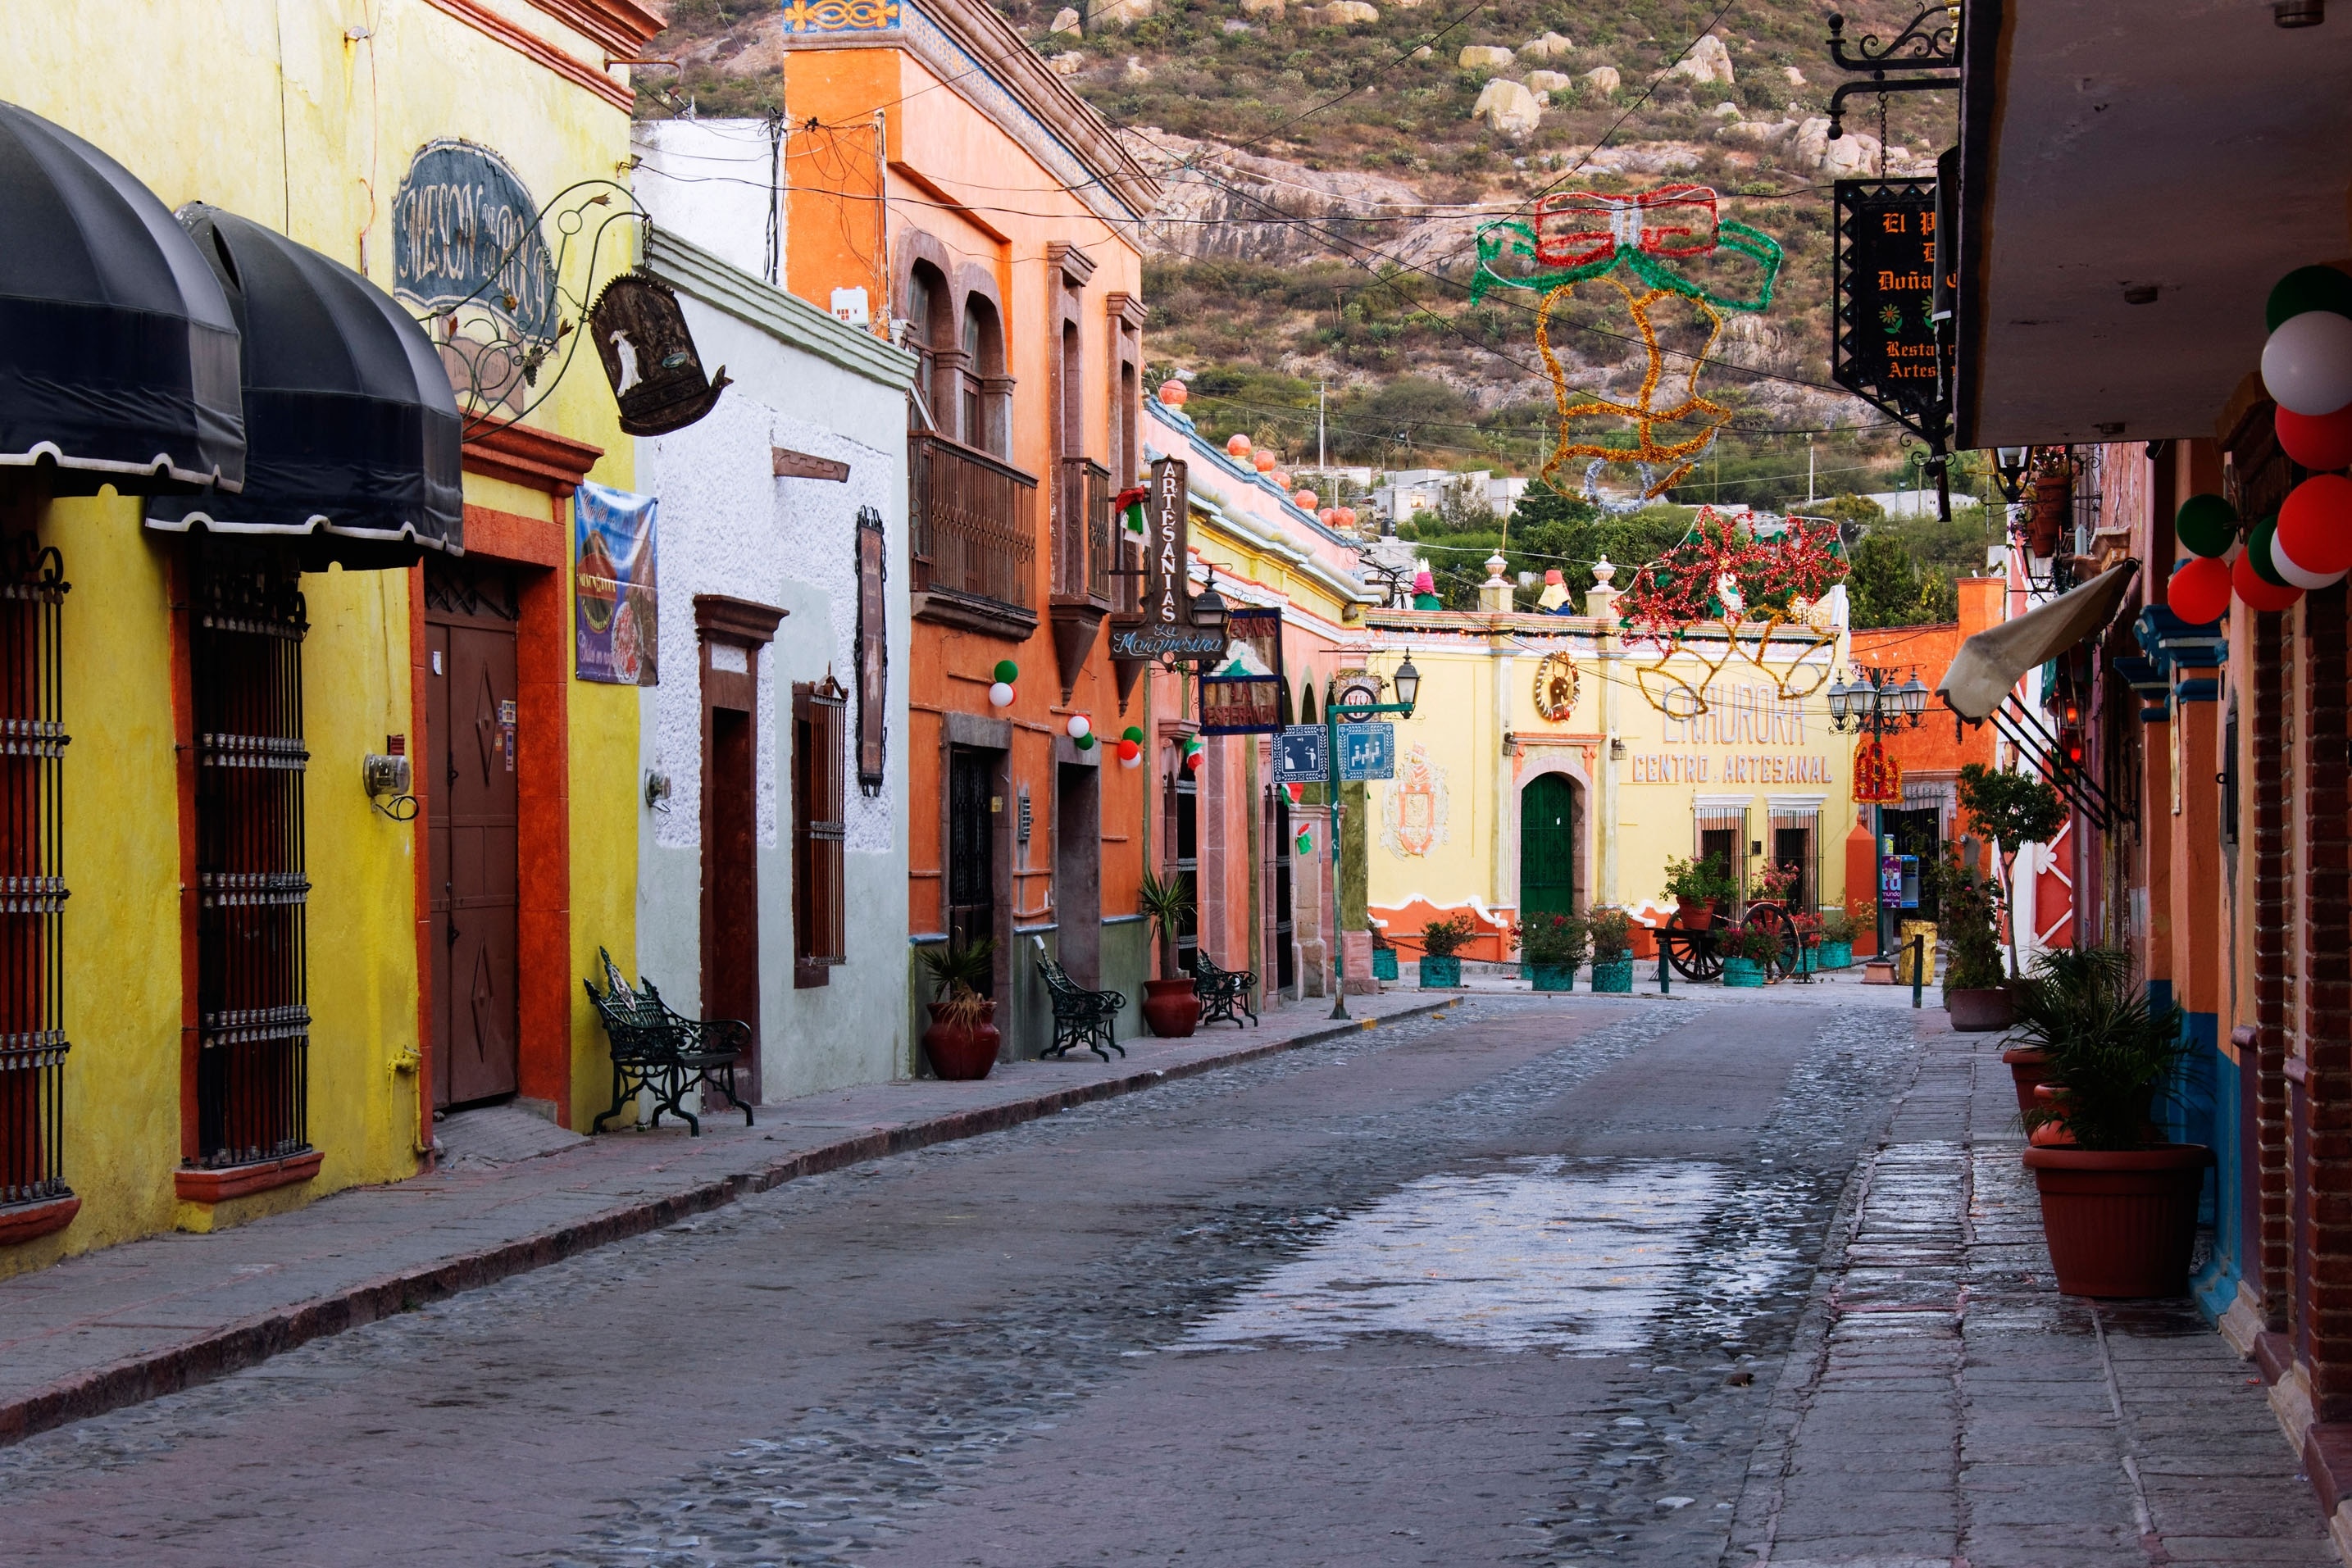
[(1885, 335)]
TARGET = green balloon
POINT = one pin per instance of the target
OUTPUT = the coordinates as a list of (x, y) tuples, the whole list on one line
[(1086, 741), (1133, 732), (2308, 289), (2258, 553), (1007, 671), (2206, 525)]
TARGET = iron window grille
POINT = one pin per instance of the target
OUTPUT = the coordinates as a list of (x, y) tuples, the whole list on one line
[(819, 830), (32, 741), (253, 1013)]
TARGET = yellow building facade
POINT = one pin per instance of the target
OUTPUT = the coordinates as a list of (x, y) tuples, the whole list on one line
[(1556, 764), (311, 119)]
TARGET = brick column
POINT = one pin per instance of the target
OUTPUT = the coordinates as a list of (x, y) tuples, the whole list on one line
[(2271, 1250), (2325, 1000)]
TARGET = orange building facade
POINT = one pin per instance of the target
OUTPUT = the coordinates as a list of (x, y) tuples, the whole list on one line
[(945, 188)]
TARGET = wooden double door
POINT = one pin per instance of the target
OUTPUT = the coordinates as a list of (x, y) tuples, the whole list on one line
[(469, 756)]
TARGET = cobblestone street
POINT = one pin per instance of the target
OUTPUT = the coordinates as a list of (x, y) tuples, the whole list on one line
[(1584, 1280)]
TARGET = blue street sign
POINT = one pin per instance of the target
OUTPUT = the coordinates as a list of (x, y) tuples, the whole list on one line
[(1367, 752), (1299, 755)]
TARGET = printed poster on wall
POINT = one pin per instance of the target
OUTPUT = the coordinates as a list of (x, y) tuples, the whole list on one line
[(614, 542), (1241, 693)]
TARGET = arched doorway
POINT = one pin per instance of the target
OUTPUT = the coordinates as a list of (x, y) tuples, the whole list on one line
[(1548, 829)]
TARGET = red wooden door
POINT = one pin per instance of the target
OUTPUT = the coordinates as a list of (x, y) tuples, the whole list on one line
[(470, 747), (731, 877)]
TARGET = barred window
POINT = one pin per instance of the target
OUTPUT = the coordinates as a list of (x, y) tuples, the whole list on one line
[(253, 1010), (820, 740), (32, 881)]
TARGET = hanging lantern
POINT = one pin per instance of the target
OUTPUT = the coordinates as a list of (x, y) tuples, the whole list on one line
[(1172, 393), (2307, 363), (2053, 513), (2254, 591), (1079, 726), (2199, 590), (2317, 441), (2314, 531), (1237, 445), (2206, 525)]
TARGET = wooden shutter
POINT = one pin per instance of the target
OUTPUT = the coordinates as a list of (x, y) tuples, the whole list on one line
[(819, 786)]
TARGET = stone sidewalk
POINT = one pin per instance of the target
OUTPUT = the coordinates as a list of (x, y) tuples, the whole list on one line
[(1944, 1405), (127, 1324)]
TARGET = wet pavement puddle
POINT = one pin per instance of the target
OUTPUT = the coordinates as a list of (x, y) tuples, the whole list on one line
[(1546, 1253)]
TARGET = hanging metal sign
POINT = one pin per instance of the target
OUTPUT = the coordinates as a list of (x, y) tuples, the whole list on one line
[(648, 354), (1886, 346), (1164, 629), (1301, 754), (1241, 692), (1367, 752)]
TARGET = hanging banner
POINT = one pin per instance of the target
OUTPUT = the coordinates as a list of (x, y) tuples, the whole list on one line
[(1877, 778), (1885, 342), (1241, 693), (614, 546)]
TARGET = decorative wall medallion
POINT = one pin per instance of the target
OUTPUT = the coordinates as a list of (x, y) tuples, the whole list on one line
[(1555, 685), (1356, 688), (1414, 817), (839, 15)]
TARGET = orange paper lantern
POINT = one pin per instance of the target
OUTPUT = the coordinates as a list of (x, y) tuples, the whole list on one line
[(1237, 446)]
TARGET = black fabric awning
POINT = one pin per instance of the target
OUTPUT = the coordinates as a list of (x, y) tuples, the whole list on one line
[(118, 353), (353, 433)]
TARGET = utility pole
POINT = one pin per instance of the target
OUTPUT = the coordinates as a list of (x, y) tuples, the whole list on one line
[(1809, 469), (1322, 390)]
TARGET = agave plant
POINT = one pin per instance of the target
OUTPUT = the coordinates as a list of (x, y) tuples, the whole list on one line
[(1167, 903), (957, 970), (2111, 1052)]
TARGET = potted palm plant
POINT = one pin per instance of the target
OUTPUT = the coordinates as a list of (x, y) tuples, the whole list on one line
[(1611, 932), (2118, 1203), (961, 1039), (1441, 941), (1553, 944), (1749, 955), (1698, 887), (1170, 1004), (1837, 939), (1976, 989)]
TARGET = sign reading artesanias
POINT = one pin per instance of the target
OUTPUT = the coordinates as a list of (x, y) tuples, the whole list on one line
[(1165, 630)]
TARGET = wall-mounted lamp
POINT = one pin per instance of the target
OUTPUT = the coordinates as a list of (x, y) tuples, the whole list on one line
[(385, 777), (658, 788)]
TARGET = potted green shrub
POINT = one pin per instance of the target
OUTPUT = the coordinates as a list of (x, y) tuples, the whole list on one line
[(1611, 934), (961, 1039), (1553, 944), (1976, 989), (1170, 1004), (1751, 954), (2119, 1204), (1442, 941), (1837, 940), (1698, 887), (2012, 810)]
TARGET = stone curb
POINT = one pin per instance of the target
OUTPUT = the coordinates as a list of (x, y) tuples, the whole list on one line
[(235, 1347)]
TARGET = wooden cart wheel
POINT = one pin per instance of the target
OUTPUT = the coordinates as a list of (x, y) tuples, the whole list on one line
[(1695, 957), (1771, 917)]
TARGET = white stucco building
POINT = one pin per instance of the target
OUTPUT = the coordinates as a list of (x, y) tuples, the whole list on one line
[(773, 877)]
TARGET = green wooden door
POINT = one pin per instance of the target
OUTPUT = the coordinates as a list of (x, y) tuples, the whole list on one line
[(1548, 847)]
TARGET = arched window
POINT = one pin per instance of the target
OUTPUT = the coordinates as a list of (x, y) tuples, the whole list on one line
[(931, 311), (986, 399)]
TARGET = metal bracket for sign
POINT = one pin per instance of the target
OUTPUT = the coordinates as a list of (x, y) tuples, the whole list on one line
[(1930, 41), (1858, 203), (2018, 726)]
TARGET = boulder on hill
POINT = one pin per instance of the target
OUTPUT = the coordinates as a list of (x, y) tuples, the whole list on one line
[(1550, 47), (1853, 153), (1262, 7), (1066, 65), (1065, 21), (1708, 60), (1507, 107), (1604, 78), (1549, 81), (1122, 13), (1348, 13), (1482, 57)]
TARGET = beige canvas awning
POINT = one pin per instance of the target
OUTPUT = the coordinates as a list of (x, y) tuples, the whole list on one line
[(1990, 664)]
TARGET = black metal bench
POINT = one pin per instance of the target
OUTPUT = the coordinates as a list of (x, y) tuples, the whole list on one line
[(1080, 1017), (659, 1050), (1221, 990)]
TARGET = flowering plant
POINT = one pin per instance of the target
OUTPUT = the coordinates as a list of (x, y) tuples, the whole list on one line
[(1553, 939)]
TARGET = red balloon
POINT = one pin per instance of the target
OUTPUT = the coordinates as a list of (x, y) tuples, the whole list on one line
[(2254, 593), (2321, 441), (2200, 593), (2315, 524), (1128, 748)]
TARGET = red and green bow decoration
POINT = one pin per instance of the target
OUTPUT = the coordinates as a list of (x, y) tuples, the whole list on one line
[(1128, 507), (1580, 235)]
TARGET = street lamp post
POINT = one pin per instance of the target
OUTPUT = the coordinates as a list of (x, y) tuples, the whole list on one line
[(1408, 686), (1872, 702)]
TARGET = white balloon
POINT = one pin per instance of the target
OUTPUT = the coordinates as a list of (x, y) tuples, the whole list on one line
[(999, 694), (2295, 574), (1134, 761), (2307, 363), (1078, 726)]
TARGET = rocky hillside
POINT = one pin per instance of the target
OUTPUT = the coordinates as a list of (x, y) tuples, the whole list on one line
[(1327, 166)]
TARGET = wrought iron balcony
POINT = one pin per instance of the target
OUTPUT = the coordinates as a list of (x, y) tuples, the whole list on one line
[(974, 534)]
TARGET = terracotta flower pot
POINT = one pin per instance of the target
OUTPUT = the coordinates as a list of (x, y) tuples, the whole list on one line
[(1696, 914), (2120, 1222), (2029, 1068), (1171, 1008), (958, 1053), (1980, 1009)]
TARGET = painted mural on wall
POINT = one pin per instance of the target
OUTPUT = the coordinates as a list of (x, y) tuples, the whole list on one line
[(468, 251), (615, 547), (1414, 816)]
